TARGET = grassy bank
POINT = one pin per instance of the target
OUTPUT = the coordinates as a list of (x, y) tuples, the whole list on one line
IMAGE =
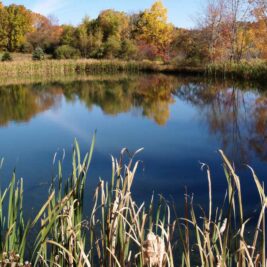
[(118, 232), (50, 68), (63, 67), (249, 71)]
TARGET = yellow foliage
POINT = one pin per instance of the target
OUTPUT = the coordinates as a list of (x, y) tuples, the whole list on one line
[(154, 28)]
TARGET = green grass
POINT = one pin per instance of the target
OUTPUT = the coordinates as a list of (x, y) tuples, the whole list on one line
[(117, 231)]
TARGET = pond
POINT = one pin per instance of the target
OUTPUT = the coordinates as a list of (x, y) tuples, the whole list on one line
[(179, 121)]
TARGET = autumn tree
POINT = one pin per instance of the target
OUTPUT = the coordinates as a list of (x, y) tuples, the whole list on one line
[(3, 26), (154, 30), (15, 23), (113, 23), (237, 15), (225, 26), (213, 26), (46, 33), (259, 27), (259, 9), (109, 36), (190, 47), (114, 26)]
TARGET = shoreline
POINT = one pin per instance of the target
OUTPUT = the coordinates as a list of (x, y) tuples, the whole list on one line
[(53, 68)]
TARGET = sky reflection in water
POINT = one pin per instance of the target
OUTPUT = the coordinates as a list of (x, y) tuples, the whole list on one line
[(180, 121)]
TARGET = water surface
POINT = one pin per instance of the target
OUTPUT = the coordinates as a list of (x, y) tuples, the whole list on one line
[(180, 122)]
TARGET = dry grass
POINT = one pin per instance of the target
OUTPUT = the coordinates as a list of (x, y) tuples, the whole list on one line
[(255, 70), (119, 232), (21, 57), (18, 57), (80, 66), (22, 67)]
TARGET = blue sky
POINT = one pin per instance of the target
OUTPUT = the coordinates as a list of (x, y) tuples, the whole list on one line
[(181, 12)]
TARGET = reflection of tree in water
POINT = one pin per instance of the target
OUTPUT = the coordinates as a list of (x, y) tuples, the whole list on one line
[(233, 114), (258, 131), (111, 96), (238, 117), (152, 94), (20, 103)]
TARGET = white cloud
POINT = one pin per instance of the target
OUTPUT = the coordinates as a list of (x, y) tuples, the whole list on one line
[(60, 120), (48, 7)]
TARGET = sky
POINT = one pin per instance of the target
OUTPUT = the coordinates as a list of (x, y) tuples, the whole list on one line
[(181, 12)]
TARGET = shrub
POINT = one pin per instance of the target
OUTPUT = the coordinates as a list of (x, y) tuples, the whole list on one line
[(38, 54), (26, 48), (128, 49), (6, 57), (98, 52), (67, 52), (146, 51), (112, 47)]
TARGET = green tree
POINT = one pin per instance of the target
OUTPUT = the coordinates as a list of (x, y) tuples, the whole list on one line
[(68, 35), (96, 45), (83, 39), (112, 46), (128, 49), (38, 54)]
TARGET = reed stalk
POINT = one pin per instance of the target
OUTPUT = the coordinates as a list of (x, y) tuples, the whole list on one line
[(116, 231)]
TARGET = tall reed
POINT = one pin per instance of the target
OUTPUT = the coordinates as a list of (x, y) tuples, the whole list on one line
[(52, 68), (116, 231), (81, 66), (256, 70)]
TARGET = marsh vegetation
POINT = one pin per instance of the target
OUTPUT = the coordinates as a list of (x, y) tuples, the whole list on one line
[(118, 231)]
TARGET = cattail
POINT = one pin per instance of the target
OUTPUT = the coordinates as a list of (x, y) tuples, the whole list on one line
[(223, 227), (154, 250)]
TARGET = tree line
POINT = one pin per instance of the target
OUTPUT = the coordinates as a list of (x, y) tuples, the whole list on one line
[(227, 30)]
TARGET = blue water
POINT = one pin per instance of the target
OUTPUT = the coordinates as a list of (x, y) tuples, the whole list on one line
[(180, 122)]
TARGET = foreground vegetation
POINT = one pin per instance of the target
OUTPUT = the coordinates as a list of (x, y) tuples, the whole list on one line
[(116, 231)]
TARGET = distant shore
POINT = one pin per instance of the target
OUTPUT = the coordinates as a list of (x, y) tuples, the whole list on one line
[(49, 68)]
